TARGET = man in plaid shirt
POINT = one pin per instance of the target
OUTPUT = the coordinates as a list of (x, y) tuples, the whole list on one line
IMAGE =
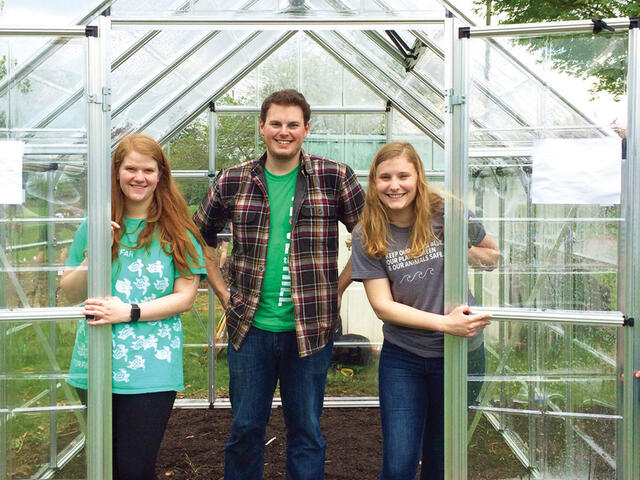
[(282, 303)]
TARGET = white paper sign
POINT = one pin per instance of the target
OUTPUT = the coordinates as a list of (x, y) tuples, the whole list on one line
[(577, 171), (11, 172)]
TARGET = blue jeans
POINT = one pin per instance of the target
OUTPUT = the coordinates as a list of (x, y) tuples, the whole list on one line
[(411, 390), (254, 370)]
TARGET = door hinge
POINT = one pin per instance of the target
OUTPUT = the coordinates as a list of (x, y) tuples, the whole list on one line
[(453, 100), (104, 99)]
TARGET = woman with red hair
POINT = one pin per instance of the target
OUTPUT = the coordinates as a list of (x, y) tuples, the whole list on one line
[(157, 264)]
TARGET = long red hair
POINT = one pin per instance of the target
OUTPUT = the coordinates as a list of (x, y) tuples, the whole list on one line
[(375, 216), (168, 217)]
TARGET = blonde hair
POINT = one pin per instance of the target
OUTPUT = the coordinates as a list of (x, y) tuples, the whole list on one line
[(168, 215), (375, 217)]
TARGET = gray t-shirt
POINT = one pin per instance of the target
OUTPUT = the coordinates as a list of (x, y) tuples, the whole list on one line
[(417, 282)]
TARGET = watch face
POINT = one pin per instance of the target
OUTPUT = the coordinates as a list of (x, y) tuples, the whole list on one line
[(135, 313)]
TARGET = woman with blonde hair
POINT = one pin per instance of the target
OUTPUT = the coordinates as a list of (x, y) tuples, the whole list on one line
[(157, 263), (398, 253)]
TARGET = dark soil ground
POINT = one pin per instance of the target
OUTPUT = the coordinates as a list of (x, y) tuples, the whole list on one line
[(193, 447)]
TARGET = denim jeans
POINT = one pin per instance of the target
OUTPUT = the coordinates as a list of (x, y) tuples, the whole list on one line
[(411, 392), (254, 370)]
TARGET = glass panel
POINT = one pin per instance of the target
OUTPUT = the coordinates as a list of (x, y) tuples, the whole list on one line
[(407, 96), (547, 402), (38, 83), (173, 111), (237, 139), (245, 92), (38, 233), (553, 256), (195, 332), (41, 417), (50, 417), (189, 149), (193, 190), (403, 130)]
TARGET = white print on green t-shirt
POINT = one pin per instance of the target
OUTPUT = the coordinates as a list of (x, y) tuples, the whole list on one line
[(285, 283)]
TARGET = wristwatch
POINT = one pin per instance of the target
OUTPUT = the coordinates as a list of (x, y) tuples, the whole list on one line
[(135, 313)]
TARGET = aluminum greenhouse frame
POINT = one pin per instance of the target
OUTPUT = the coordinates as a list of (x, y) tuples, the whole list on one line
[(450, 130)]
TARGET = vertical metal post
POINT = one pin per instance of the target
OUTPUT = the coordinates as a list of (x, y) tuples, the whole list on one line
[(52, 177), (567, 339), (4, 384), (455, 247), (99, 440), (388, 119), (211, 122), (532, 365), (628, 448)]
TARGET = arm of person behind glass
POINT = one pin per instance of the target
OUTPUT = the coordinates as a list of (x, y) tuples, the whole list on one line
[(344, 280), (74, 282), (74, 279), (484, 255), (460, 321), (215, 278), (113, 310)]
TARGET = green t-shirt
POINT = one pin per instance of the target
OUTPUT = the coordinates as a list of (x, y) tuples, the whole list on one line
[(275, 309), (147, 356)]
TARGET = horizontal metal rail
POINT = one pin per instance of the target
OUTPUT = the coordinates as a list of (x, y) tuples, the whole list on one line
[(549, 413), (55, 149), (335, 344), (41, 314), (565, 27), (329, 402), (279, 21), (42, 219), (42, 31), (32, 245), (54, 408), (547, 220), (240, 109), (555, 316), (196, 174)]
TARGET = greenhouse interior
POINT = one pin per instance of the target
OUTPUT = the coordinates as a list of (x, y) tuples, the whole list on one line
[(483, 105)]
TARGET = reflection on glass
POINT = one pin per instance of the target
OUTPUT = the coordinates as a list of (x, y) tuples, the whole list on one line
[(548, 402), (552, 256)]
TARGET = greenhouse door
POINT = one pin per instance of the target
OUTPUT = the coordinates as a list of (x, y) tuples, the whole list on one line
[(543, 179), (55, 173)]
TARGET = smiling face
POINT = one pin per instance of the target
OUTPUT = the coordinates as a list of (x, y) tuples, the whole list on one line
[(283, 131), (138, 178), (397, 184)]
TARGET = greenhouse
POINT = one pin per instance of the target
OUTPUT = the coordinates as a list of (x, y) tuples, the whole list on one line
[(506, 117)]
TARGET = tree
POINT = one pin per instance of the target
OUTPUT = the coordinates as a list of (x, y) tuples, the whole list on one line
[(582, 56)]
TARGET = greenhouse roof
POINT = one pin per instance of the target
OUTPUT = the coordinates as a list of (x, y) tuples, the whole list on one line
[(166, 69)]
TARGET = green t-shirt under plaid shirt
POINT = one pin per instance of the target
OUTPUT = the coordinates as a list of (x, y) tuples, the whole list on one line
[(147, 356), (275, 309)]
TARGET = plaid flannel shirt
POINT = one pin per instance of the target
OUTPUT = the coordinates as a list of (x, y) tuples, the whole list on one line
[(326, 192)]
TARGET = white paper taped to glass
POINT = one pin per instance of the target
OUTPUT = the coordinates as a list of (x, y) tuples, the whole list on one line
[(577, 171), (11, 153)]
